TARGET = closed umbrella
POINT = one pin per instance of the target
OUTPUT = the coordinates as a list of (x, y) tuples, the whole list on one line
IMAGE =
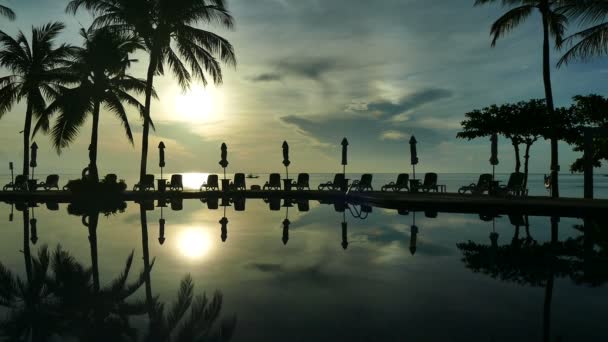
[(224, 161), (344, 231), (413, 236), (33, 157), (285, 237), (494, 153), (344, 155), (286, 161), (161, 157), (413, 154)]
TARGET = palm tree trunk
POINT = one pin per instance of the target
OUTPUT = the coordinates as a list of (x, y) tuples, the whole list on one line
[(147, 107), (146, 253), (92, 225), (27, 255), (526, 164), (26, 140), (94, 173), (515, 143), (544, 8)]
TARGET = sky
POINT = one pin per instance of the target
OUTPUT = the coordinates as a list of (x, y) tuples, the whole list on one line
[(312, 72)]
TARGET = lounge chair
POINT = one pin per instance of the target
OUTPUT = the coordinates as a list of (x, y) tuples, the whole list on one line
[(336, 185), (274, 182), (515, 185), (52, 181), (274, 203), (483, 185), (211, 184), (213, 203), (146, 184), (303, 206), (430, 183), (303, 182), (402, 183), (239, 182), (19, 184), (239, 203), (176, 183), (364, 184), (52, 206), (177, 204)]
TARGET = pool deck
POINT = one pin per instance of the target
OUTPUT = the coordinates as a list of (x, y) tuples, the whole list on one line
[(438, 202)]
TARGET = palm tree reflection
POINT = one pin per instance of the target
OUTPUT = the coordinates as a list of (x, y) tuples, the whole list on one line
[(537, 265)]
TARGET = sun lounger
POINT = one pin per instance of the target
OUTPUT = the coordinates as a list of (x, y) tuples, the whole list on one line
[(52, 182), (430, 183), (336, 185), (364, 184), (19, 184), (402, 183), (303, 182), (211, 184), (239, 182), (483, 185), (515, 185), (274, 182), (146, 184), (176, 183)]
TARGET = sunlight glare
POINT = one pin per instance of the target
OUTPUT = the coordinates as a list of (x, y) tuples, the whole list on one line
[(199, 105), (194, 243)]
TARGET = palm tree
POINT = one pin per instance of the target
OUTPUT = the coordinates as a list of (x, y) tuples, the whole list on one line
[(190, 318), (37, 69), (591, 41), (168, 30), (7, 12), (554, 24), (99, 68)]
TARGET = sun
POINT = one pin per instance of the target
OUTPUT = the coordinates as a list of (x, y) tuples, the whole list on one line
[(194, 243), (199, 105)]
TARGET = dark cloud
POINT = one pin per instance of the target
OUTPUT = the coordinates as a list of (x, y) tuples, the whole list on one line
[(266, 77), (409, 102), (386, 235), (313, 68)]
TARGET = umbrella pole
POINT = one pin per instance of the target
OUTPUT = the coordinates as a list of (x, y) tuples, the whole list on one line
[(287, 172), (161, 173), (414, 167), (224, 173)]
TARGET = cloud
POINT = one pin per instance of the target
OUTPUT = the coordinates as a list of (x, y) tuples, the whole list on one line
[(266, 77), (407, 103), (393, 135), (314, 68)]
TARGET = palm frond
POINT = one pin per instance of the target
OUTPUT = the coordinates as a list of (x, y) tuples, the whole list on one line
[(113, 103), (73, 107), (508, 21), (585, 11), (8, 286), (592, 42), (118, 284), (7, 12), (180, 307), (9, 95)]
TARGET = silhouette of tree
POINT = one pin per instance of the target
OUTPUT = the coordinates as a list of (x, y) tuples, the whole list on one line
[(190, 318), (99, 69), (590, 42), (588, 111), (7, 13), (168, 30), (36, 68), (554, 24)]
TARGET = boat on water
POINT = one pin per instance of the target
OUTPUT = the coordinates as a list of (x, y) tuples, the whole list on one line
[(251, 175)]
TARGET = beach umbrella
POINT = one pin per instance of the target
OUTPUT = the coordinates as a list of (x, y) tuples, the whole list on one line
[(33, 228), (224, 223), (10, 166), (344, 155), (161, 233), (161, 157), (413, 154), (494, 153), (224, 161), (286, 161), (286, 224), (413, 235), (344, 232), (33, 157)]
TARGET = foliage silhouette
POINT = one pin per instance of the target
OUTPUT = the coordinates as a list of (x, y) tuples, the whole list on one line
[(37, 69), (7, 13), (554, 25), (591, 41), (168, 30), (99, 70)]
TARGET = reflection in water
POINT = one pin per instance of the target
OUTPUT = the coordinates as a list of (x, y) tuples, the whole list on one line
[(193, 243)]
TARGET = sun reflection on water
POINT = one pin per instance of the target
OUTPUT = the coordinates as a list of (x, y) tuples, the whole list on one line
[(194, 243)]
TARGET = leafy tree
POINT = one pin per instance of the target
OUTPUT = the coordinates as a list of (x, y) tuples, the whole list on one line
[(100, 70), (554, 25), (168, 29), (37, 69), (588, 111), (591, 41)]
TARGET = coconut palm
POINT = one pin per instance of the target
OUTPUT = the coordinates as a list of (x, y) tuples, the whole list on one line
[(190, 318), (99, 69), (591, 41), (554, 25), (36, 70), (168, 28), (7, 12)]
